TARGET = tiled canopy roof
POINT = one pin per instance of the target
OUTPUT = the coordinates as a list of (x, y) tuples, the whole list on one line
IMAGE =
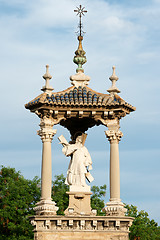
[(78, 97)]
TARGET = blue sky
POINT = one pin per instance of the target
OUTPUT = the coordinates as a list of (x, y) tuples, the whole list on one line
[(121, 33)]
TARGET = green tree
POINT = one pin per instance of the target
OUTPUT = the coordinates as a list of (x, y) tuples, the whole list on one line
[(142, 228), (97, 199), (17, 199), (59, 193), (19, 195)]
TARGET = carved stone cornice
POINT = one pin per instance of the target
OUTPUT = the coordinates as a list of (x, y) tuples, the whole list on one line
[(82, 224), (44, 113), (46, 132)]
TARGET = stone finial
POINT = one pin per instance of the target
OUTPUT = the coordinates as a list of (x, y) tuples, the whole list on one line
[(80, 57), (113, 89), (80, 79), (47, 88)]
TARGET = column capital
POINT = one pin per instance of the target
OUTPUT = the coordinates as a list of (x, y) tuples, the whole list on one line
[(46, 132), (113, 133), (114, 136)]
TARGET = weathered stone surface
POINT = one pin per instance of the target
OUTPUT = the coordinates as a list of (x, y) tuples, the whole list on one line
[(78, 228), (79, 204), (81, 235)]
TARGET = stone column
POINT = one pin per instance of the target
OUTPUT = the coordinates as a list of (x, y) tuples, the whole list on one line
[(46, 206), (115, 206)]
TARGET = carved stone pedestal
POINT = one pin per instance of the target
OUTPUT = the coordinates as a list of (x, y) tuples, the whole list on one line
[(79, 204), (81, 227)]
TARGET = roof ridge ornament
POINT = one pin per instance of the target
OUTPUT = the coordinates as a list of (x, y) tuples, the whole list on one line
[(80, 79), (113, 89), (47, 88)]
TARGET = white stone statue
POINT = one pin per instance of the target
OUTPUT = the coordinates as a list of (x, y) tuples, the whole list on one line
[(80, 163)]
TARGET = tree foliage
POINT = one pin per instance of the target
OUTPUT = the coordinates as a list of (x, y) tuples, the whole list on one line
[(97, 199), (142, 227), (19, 195), (17, 199), (59, 193)]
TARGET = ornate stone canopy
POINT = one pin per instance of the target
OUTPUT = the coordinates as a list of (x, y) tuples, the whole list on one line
[(79, 108)]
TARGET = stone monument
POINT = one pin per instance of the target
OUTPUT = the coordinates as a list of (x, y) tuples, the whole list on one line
[(78, 171), (79, 108)]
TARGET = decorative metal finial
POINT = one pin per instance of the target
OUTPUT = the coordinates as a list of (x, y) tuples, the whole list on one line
[(113, 89), (80, 11), (47, 88), (80, 57), (80, 79)]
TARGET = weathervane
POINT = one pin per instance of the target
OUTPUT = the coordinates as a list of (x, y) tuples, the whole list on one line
[(80, 57), (80, 11)]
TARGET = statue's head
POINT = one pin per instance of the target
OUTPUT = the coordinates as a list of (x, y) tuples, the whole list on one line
[(79, 139)]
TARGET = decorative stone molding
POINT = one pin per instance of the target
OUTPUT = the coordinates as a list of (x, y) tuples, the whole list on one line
[(93, 224), (39, 114), (48, 224), (46, 207), (46, 132), (79, 79), (114, 135), (34, 224)]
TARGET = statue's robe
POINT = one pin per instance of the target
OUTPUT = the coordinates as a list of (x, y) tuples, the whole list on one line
[(80, 160)]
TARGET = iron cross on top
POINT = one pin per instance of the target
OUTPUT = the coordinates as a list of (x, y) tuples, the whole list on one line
[(80, 11)]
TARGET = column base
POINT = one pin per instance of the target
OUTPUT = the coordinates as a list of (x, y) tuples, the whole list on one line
[(115, 208), (46, 207)]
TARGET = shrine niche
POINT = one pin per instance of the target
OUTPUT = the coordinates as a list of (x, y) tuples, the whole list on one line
[(79, 108)]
